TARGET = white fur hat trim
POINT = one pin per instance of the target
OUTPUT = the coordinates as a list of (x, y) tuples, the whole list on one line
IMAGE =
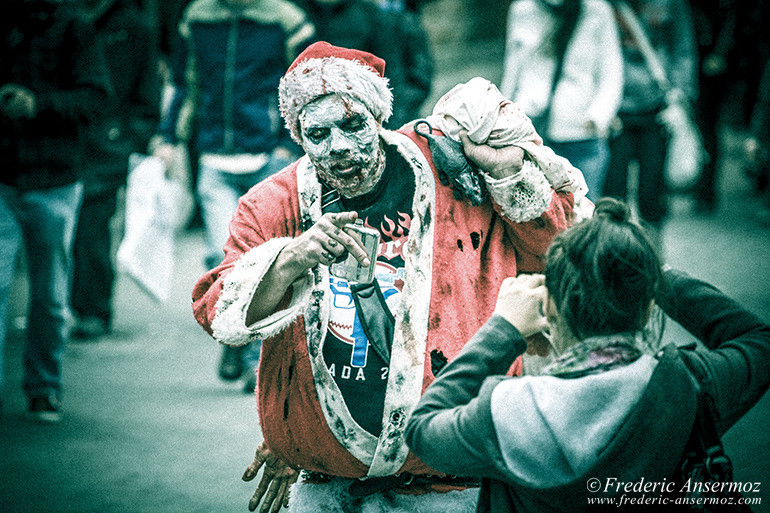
[(314, 78)]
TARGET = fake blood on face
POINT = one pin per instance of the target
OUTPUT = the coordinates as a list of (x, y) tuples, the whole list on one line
[(341, 139)]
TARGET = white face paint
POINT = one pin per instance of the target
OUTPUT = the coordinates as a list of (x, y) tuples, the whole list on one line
[(342, 140)]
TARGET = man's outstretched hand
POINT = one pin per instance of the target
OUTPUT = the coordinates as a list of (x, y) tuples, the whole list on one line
[(276, 481)]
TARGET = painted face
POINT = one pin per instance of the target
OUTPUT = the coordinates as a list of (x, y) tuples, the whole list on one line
[(341, 138)]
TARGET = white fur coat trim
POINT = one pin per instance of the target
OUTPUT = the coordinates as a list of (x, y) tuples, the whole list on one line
[(384, 455), (523, 196), (238, 287), (334, 497), (410, 339), (316, 311)]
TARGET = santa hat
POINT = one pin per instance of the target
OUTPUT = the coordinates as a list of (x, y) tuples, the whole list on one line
[(326, 69)]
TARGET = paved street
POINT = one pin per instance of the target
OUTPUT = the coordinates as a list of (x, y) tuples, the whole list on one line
[(148, 427)]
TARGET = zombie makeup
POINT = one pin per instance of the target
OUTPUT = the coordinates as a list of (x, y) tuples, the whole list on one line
[(342, 139)]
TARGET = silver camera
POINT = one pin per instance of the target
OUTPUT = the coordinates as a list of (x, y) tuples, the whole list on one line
[(349, 269)]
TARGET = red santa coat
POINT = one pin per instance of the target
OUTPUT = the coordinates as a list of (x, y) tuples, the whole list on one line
[(455, 259)]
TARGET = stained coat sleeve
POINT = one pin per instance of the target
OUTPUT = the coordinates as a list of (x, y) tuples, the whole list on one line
[(533, 238), (266, 218), (452, 429)]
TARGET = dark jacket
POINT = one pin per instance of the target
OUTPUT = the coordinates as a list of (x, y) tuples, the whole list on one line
[(413, 86), (540, 440), (129, 120), (397, 37), (231, 63), (49, 50), (715, 27)]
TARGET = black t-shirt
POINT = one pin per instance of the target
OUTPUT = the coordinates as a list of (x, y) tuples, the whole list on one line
[(361, 374)]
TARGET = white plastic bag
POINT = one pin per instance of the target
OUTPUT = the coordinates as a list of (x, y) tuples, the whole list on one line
[(153, 203), (685, 156)]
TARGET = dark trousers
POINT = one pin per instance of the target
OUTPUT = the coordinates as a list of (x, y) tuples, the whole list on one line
[(645, 141), (709, 106), (94, 273)]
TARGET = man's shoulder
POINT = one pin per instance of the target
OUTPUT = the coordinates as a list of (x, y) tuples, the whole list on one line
[(282, 12), (282, 186), (408, 131), (203, 9), (267, 12), (262, 10)]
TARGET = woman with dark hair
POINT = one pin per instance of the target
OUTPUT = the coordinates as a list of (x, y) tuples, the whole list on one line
[(612, 408)]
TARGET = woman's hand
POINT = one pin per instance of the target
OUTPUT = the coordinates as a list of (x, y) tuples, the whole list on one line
[(521, 301)]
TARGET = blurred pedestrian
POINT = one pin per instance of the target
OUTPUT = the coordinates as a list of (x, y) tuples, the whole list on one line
[(757, 145), (347, 356), (750, 52), (394, 32), (355, 24), (715, 24), (643, 140), (130, 46), (412, 85), (168, 14), (53, 80), (642, 403), (233, 53), (563, 66)]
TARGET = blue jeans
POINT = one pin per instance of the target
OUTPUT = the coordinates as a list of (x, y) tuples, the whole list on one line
[(219, 192), (645, 141), (45, 221), (591, 157)]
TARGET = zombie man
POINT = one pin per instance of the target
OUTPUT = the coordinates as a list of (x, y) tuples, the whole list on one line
[(343, 364)]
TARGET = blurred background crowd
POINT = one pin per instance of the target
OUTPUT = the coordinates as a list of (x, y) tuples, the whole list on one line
[(663, 102), (609, 84)]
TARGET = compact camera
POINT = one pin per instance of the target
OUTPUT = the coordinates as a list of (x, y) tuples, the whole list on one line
[(350, 269)]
